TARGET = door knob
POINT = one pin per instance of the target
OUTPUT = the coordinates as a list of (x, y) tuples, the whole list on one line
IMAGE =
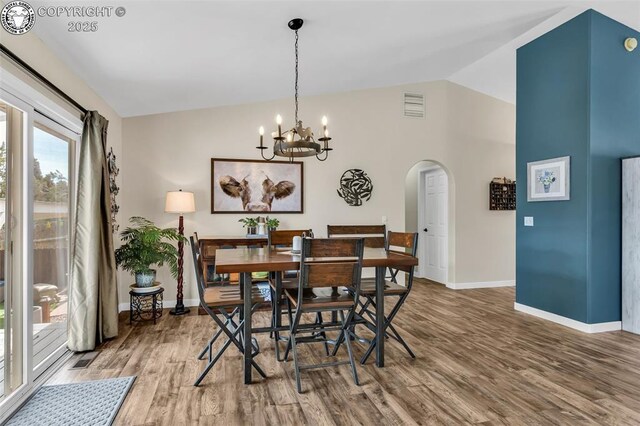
[(425, 230)]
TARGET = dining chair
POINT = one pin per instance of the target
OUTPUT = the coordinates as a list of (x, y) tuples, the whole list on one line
[(401, 243), (278, 281), (374, 235), (325, 265), (227, 302)]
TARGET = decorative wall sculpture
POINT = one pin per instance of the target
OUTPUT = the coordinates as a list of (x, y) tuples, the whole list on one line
[(113, 173), (355, 186)]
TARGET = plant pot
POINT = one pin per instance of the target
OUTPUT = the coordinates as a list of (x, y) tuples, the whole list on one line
[(272, 228), (146, 279), (251, 230)]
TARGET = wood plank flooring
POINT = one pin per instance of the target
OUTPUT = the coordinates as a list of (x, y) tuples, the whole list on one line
[(479, 362)]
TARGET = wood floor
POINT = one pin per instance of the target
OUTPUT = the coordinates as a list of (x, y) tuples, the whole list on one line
[(479, 362)]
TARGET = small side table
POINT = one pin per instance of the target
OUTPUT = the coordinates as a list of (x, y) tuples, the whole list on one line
[(145, 306)]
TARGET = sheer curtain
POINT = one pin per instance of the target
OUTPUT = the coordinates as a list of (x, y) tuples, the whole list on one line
[(93, 295)]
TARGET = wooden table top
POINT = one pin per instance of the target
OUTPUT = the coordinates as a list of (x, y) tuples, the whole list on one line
[(261, 259)]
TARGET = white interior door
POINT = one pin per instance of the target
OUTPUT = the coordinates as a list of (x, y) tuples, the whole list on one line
[(434, 227)]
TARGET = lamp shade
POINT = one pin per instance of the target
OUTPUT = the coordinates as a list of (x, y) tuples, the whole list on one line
[(180, 202)]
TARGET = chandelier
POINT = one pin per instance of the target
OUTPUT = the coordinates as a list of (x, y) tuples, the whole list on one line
[(297, 141)]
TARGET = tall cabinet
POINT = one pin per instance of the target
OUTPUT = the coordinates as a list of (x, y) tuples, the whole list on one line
[(631, 244)]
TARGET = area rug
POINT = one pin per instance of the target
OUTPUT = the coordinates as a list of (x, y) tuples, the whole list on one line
[(88, 404)]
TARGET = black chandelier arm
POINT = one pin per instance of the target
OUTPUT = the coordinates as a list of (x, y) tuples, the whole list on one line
[(326, 155), (265, 158)]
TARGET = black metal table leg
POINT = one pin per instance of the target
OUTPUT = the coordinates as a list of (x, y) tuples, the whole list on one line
[(380, 270), (246, 285)]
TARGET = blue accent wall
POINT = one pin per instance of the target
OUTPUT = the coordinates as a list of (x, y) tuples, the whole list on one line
[(578, 95)]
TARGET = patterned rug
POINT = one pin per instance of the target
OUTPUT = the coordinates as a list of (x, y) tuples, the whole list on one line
[(88, 404)]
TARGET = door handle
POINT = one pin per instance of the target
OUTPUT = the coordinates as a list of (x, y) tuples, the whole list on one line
[(425, 230)]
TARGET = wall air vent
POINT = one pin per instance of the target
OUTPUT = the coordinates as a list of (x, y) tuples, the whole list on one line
[(414, 105)]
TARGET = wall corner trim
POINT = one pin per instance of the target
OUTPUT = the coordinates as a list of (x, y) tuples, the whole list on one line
[(600, 327), (481, 284)]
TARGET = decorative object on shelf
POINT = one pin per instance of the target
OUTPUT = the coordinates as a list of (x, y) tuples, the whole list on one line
[(299, 141), (145, 245), (180, 202), (272, 223), (549, 180), (145, 306), (239, 186), (355, 186), (251, 224), (502, 194), (115, 189)]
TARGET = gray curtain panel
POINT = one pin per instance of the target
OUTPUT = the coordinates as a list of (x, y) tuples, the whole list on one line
[(93, 292)]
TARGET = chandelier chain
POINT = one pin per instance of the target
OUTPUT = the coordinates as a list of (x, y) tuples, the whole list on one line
[(296, 85)]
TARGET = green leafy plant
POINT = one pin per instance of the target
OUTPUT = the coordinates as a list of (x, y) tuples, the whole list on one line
[(249, 222), (146, 245), (272, 223)]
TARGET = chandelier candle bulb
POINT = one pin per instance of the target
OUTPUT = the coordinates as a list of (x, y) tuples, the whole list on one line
[(261, 131), (279, 123)]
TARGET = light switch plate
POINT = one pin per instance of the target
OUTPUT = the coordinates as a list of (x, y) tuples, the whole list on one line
[(528, 221)]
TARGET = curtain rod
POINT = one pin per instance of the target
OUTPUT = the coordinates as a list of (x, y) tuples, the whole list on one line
[(42, 79)]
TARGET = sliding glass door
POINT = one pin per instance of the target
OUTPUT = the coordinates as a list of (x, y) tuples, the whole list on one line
[(51, 206), (12, 323), (37, 165)]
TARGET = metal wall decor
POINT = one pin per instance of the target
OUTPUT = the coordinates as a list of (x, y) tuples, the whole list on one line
[(355, 186), (114, 188)]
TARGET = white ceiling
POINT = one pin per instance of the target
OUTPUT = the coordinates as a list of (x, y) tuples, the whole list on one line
[(178, 55)]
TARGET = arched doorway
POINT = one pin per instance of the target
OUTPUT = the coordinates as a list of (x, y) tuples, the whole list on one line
[(429, 211)]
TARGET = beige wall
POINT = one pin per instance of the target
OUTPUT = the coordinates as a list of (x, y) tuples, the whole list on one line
[(471, 134)]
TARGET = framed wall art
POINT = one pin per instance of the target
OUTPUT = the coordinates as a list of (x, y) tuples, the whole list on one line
[(549, 180), (240, 186)]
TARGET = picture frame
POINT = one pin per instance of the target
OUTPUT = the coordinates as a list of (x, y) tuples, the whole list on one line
[(549, 180), (256, 186)]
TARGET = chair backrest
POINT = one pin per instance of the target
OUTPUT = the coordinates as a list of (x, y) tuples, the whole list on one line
[(406, 244), (197, 265), (331, 262), (374, 235), (284, 237)]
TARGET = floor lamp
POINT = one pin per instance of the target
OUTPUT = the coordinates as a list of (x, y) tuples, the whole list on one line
[(180, 202)]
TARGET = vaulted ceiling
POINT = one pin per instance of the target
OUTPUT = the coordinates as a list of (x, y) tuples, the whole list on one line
[(177, 55)]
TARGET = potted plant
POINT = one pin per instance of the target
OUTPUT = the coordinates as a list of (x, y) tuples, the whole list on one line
[(272, 224), (250, 223), (145, 245)]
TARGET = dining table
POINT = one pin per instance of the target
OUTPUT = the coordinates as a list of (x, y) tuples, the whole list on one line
[(246, 260)]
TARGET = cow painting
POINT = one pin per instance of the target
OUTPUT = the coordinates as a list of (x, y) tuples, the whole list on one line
[(256, 186), (256, 192)]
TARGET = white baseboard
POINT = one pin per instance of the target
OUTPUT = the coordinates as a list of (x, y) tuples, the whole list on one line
[(123, 307), (600, 327), (485, 284)]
